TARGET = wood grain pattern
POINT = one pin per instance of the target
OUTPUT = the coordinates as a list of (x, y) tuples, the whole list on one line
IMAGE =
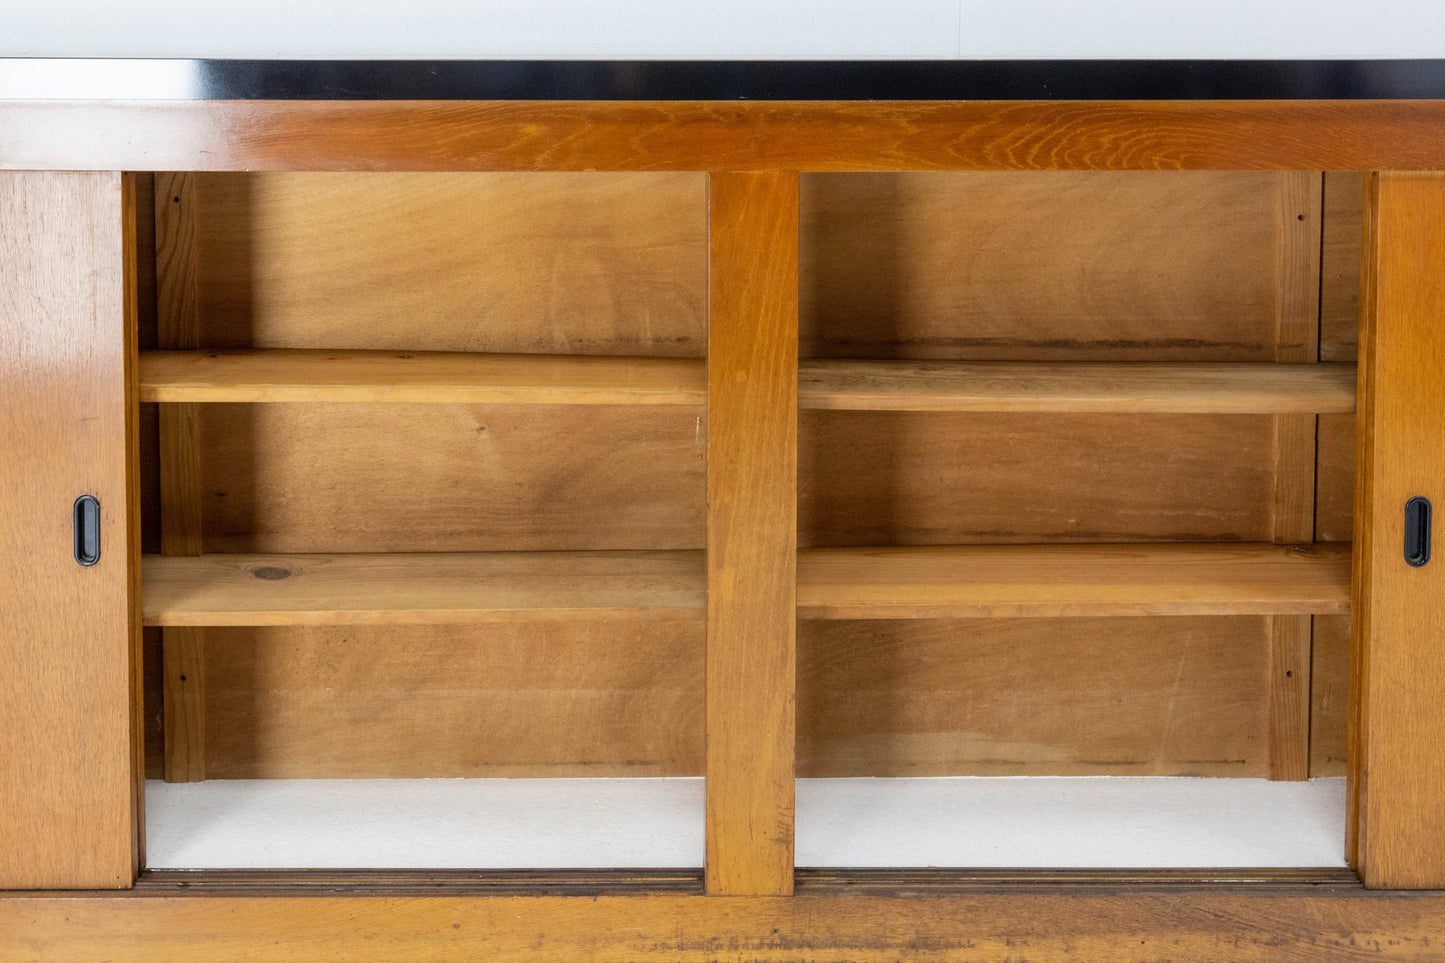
[(1330, 696), (593, 264), (1138, 387), (1297, 341), (1335, 444), (1291, 636), (899, 478), (132, 261), (1137, 696), (1340, 265), (1057, 266), (752, 527), (1335, 493), (708, 135), (179, 326), (183, 654), (451, 478), (69, 714), (280, 375), (1001, 581), (427, 588), (1400, 779), (505, 699), (1276, 923), (1041, 697), (1356, 731), (1290, 662)]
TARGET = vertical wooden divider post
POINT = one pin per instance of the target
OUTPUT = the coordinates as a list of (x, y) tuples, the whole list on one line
[(178, 326), (1397, 787), (751, 530), (1297, 341)]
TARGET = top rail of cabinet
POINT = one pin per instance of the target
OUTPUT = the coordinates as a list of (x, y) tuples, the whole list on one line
[(732, 80), (721, 115)]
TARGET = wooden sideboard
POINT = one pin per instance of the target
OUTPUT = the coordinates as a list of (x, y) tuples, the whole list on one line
[(713, 457)]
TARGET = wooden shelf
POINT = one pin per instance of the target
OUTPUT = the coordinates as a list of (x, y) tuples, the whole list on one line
[(435, 377), (1002, 581), (1159, 387), (418, 377), (986, 581), (220, 590)]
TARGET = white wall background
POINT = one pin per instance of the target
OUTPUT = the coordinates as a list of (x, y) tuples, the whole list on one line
[(741, 29)]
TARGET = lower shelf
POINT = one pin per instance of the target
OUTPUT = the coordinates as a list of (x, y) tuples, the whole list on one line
[(1094, 822), (970, 581)]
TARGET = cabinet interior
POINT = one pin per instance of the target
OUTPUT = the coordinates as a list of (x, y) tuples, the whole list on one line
[(376, 389)]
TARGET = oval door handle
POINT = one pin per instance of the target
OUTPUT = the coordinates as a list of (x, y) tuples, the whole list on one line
[(1417, 531), (87, 530)]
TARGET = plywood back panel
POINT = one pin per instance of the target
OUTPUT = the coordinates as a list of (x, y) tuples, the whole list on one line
[(547, 263), (427, 478), (1035, 696), (875, 478), (1057, 266), (562, 699), (1130, 696)]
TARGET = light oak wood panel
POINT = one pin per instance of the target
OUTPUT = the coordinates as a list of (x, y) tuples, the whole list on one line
[(564, 698), (280, 375), (1137, 696), (1330, 696), (1106, 267), (1297, 337), (178, 326), (550, 264), (1339, 327), (891, 478), (213, 590), (358, 135), (752, 531), (1138, 387), (1295, 456), (983, 581), (1399, 779), (1335, 498), (1290, 665), (1340, 265), (1265, 923), (422, 478), (70, 734), (1044, 697)]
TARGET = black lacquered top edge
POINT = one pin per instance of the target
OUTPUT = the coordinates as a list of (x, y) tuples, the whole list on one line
[(673, 80)]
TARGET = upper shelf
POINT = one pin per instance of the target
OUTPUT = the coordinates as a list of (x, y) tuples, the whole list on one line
[(401, 376), (1010, 581), (385, 376), (1128, 386)]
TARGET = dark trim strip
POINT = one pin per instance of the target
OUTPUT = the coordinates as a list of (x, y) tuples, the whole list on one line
[(409, 882), (633, 882), (677, 80)]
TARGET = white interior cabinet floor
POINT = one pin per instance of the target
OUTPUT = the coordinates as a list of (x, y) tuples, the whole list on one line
[(1094, 822)]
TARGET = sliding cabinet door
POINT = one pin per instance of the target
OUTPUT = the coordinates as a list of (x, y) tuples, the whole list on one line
[(1398, 786), (68, 800)]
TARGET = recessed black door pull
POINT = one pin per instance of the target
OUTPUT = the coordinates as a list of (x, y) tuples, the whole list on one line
[(87, 530), (1417, 531)]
